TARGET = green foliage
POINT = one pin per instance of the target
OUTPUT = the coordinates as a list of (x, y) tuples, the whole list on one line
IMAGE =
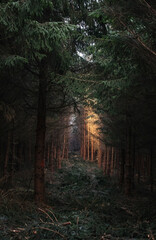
[(13, 61), (35, 36), (125, 59)]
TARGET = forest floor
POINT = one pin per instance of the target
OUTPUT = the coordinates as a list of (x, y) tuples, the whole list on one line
[(81, 204)]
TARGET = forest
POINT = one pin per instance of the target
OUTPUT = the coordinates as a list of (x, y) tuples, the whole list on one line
[(78, 119)]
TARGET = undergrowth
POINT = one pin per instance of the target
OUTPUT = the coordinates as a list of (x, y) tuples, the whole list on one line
[(81, 204)]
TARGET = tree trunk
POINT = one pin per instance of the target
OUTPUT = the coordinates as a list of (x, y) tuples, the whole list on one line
[(48, 154), (30, 153), (1, 159), (109, 157), (13, 159), (84, 140), (59, 157), (88, 152), (7, 155), (64, 146), (151, 169), (122, 168), (105, 160), (81, 139), (92, 149), (39, 187), (112, 162), (138, 165), (99, 154), (128, 165), (67, 152), (133, 161), (51, 161)]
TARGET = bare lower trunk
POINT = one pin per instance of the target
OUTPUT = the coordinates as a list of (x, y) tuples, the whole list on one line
[(122, 168), (151, 169), (59, 157), (92, 149), (39, 188), (30, 153), (51, 161), (88, 152), (105, 160), (112, 162), (8, 165), (7, 155), (99, 155), (64, 146), (84, 140), (109, 156), (128, 165), (133, 161), (67, 152)]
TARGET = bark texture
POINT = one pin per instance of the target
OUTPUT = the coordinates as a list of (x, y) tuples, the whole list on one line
[(39, 187)]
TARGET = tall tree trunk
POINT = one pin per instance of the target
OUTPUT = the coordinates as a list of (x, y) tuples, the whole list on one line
[(88, 152), (55, 152), (64, 146), (92, 149), (84, 138), (1, 158), (138, 167), (7, 155), (59, 157), (39, 186), (48, 153), (128, 166), (10, 156), (105, 160), (30, 153), (151, 169), (109, 161), (99, 154), (67, 151), (133, 161), (13, 159), (81, 139), (122, 168), (51, 162), (21, 157), (112, 162)]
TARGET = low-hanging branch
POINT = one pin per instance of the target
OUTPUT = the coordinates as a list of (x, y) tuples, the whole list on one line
[(132, 32), (148, 6)]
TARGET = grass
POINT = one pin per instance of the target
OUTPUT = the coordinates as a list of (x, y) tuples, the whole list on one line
[(81, 204)]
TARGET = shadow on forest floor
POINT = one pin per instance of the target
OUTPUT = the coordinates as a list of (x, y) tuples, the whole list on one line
[(81, 204)]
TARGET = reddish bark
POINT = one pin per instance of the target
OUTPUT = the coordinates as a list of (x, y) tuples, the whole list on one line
[(92, 149), (84, 140), (88, 151), (39, 187), (112, 162), (99, 155)]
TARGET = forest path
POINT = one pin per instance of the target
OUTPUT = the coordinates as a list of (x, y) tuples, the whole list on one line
[(95, 208), (81, 204)]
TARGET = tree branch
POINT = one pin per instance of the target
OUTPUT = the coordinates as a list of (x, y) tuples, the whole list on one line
[(133, 33)]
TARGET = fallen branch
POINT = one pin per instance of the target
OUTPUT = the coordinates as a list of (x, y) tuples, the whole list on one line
[(46, 214), (53, 215), (56, 232)]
